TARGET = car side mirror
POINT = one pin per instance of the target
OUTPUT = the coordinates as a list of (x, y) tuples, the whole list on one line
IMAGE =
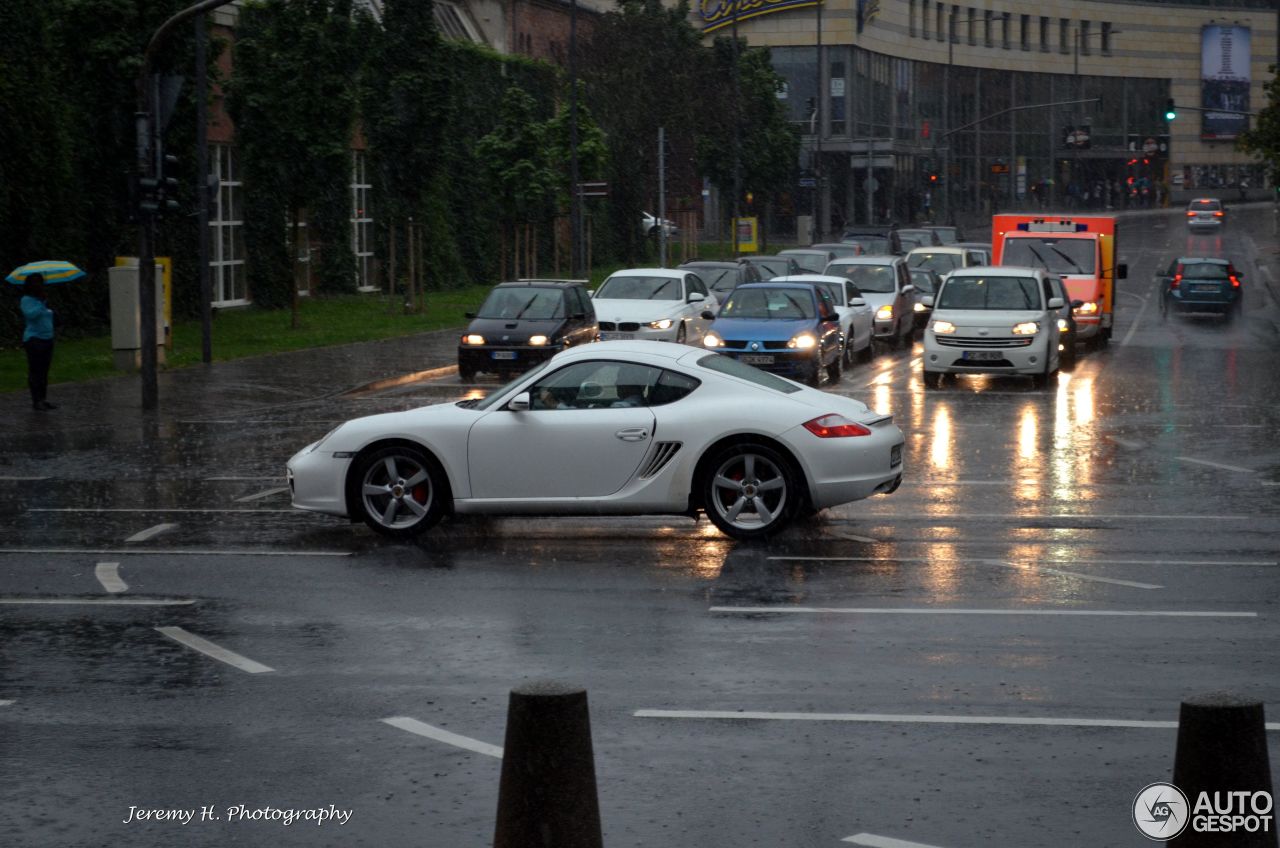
[(908, 289), (927, 300), (1077, 303), (695, 297), (857, 301), (1056, 303), (470, 316), (708, 315), (519, 403), (1122, 271)]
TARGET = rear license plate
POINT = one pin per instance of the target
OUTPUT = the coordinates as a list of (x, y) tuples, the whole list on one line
[(895, 455), (757, 358), (614, 337), (503, 354), (1205, 287), (982, 355)]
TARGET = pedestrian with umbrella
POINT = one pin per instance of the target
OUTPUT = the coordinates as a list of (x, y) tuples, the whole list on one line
[(37, 337)]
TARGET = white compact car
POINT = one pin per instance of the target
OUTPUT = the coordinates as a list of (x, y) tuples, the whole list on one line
[(856, 316), (885, 284), (993, 320), (658, 304), (615, 428)]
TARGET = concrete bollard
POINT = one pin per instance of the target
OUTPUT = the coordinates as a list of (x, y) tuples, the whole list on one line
[(1222, 747), (547, 793)]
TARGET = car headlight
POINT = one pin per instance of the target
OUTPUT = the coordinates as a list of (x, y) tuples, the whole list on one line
[(1090, 308), (711, 340), (473, 339), (1062, 325), (324, 438), (804, 341), (920, 307), (1026, 328), (885, 313), (664, 324), (942, 328), (538, 340)]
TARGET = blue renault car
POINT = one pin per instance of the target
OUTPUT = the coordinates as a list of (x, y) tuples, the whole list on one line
[(790, 329)]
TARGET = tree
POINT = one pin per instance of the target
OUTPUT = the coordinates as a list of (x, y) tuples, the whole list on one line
[(293, 101), (1263, 140)]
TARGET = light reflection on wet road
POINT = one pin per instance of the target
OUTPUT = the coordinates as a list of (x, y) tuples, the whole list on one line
[(1136, 484)]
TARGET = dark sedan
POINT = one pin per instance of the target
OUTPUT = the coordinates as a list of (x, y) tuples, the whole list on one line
[(723, 277), (523, 323), (1198, 284)]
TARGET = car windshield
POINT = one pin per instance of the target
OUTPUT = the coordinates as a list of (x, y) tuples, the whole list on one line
[(1015, 293), (868, 278), (1057, 256), (639, 288), (809, 261), (923, 236), (517, 302), (912, 242), (719, 280), (734, 368), (922, 280), (494, 396), (940, 262), (877, 245), (772, 267), (756, 303), (1206, 205), (1205, 271), (947, 235)]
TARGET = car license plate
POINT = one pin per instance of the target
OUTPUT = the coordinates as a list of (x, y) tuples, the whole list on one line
[(503, 354), (614, 337), (1205, 287), (757, 358), (982, 355)]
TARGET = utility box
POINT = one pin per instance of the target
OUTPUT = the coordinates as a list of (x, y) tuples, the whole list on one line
[(804, 230), (126, 318)]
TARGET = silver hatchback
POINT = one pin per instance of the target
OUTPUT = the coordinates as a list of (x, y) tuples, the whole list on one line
[(1206, 213)]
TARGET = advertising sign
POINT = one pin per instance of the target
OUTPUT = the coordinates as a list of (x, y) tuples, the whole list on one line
[(721, 13), (1224, 81)]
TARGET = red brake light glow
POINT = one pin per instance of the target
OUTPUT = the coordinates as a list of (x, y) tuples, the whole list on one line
[(1177, 278), (1190, 214), (1235, 281), (1217, 214), (833, 426)]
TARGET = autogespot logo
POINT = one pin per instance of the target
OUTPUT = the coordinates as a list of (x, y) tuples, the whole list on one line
[(1160, 811)]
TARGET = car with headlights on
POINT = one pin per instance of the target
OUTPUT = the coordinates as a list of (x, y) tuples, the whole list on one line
[(791, 329), (924, 284), (856, 315), (656, 304), (616, 428), (995, 321), (885, 284), (523, 323)]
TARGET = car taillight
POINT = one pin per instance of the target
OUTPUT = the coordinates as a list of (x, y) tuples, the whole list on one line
[(833, 426), (1177, 278), (1235, 281), (1217, 214), (1191, 214)]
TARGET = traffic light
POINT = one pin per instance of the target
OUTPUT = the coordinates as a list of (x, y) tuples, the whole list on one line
[(1170, 111), (158, 194), (933, 179)]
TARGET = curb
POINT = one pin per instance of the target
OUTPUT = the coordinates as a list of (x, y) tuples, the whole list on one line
[(402, 380)]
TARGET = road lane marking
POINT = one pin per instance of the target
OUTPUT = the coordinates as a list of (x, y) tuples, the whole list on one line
[(217, 652), (1246, 562), (5, 703), (873, 841), (173, 552), (20, 477), (1057, 516), (1271, 482), (264, 494), (1137, 319), (100, 602), (152, 509), (854, 538), (997, 562), (150, 533), (1221, 465), (108, 574), (1127, 443), (960, 611), (885, 718), (272, 477), (412, 725)]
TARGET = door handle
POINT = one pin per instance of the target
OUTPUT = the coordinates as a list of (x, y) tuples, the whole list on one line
[(633, 434)]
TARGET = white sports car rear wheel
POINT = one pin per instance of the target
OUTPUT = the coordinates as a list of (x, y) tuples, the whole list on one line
[(751, 492)]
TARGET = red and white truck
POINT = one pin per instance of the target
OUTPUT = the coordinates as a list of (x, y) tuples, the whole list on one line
[(1079, 248)]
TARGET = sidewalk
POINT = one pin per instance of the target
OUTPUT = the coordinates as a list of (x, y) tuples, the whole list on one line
[(229, 389)]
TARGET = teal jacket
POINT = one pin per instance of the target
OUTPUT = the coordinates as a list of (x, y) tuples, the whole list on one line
[(39, 319)]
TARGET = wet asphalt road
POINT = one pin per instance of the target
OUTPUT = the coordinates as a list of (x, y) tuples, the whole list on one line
[(1147, 481)]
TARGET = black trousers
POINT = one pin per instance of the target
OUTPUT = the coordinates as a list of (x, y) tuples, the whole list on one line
[(39, 358)]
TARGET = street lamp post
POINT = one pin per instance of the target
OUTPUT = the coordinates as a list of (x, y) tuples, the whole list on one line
[(947, 216)]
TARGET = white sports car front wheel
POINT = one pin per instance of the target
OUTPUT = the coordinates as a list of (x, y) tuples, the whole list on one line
[(398, 491)]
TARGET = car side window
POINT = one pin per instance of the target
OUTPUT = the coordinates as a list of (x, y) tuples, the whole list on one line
[(850, 292), (696, 285), (596, 384), (904, 279), (671, 387), (1048, 290), (828, 306)]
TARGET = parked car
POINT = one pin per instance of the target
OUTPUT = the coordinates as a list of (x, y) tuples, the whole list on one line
[(993, 320), (840, 248), (924, 284), (751, 450), (856, 316), (926, 236), (943, 259), (885, 284), (523, 323), (1206, 213), (1199, 284), (791, 329), (773, 266), (649, 225), (946, 234), (659, 304), (875, 240), (723, 277), (809, 259)]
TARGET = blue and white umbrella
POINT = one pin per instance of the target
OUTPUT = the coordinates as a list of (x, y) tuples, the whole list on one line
[(54, 271)]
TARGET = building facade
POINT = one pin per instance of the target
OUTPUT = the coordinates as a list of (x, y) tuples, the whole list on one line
[(914, 109)]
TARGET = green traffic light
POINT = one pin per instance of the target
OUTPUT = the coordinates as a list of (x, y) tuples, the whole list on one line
[(1170, 111)]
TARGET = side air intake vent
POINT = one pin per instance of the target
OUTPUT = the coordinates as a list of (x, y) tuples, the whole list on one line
[(662, 453)]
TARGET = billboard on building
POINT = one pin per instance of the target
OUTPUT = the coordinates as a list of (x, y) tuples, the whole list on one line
[(1224, 81)]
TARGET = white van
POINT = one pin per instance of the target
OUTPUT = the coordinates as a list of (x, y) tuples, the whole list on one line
[(993, 321)]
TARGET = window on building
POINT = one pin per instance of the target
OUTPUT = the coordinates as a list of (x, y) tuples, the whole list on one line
[(1106, 38), (911, 18), (226, 229), (1064, 35), (1006, 27), (1025, 32), (1083, 34), (453, 23), (986, 24), (924, 19), (361, 223), (973, 26), (1044, 33), (941, 17)]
